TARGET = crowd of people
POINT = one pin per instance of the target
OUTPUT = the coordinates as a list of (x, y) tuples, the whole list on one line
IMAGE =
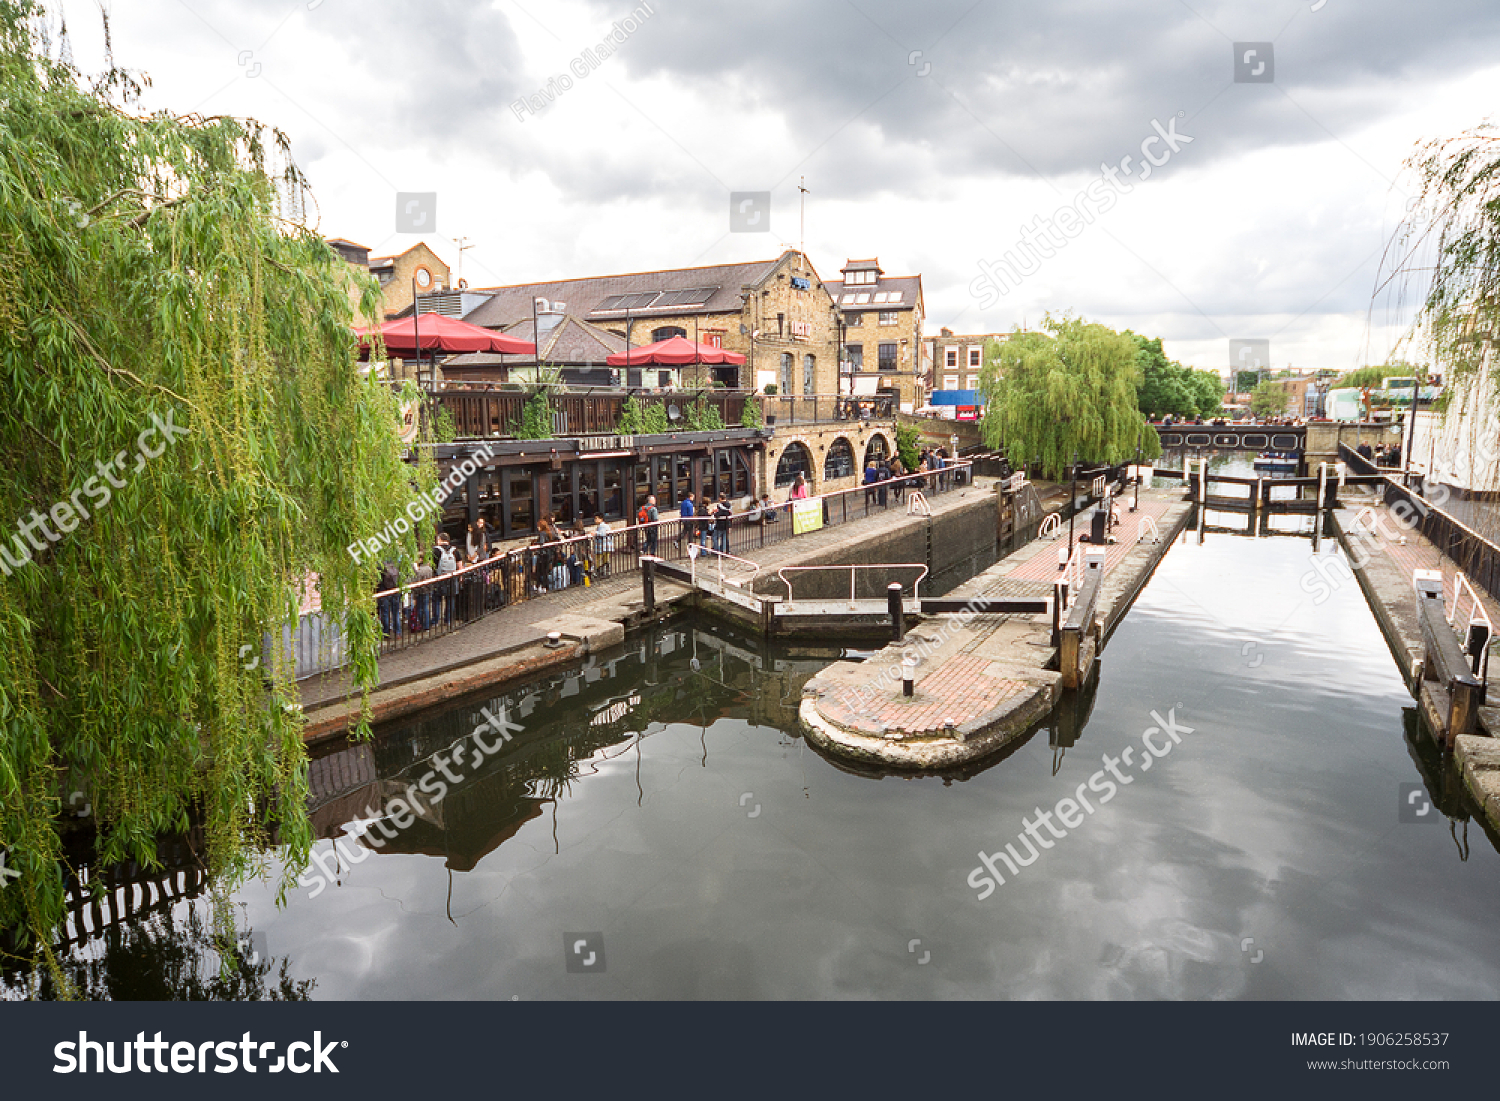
[(1388, 455), (482, 576)]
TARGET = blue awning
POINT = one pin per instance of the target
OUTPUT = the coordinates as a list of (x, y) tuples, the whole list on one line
[(956, 397)]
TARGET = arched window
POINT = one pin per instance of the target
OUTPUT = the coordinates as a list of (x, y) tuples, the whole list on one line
[(667, 332), (796, 459), (840, 461), (786, 375), (809, 373), (876, 450)]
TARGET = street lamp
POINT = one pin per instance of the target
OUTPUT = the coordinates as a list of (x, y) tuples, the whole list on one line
[(1137, 471), (1072, 500)]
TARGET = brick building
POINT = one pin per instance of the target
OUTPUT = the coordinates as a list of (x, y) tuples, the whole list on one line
[(777, 313), (395, 273), (882, 334)]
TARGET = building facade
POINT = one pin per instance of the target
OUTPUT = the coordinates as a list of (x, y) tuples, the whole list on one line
[(777, 313), (882, 332), (395, 274)]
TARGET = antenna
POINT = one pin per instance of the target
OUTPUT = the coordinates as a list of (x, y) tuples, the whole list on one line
[(463, 247), (802, 215)]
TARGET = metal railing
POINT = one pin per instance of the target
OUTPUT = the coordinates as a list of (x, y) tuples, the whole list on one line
[(855, 602), (1146, 524), (1475, 628), (1470, 551), (430, 609), (784, 409)]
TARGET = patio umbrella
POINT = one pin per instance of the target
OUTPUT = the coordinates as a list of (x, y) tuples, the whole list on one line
[(673, 352), (440, 333)]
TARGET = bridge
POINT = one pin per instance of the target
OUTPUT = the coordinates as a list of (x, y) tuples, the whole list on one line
[(1235, 437)]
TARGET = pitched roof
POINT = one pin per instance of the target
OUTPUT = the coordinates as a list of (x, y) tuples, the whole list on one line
[(909, 287), (717, 287), (572, 342)]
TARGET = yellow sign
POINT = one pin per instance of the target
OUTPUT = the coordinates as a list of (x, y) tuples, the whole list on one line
[(807, 515)]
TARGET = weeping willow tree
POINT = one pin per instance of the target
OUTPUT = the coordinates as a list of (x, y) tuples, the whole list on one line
[(1446, 262), (188, 439), (1072, 394)]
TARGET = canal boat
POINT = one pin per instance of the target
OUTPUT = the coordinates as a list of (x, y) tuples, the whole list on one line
[(1276, 462)]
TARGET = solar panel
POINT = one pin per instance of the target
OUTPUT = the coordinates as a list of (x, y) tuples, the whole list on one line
[(697, 296), (627, 301)]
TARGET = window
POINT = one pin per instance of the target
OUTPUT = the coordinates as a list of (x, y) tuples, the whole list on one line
[(786, 374), (809, 373), (875, 450), (950, 382), (887, 357), (667, 332), (974, 354), (952, 359), (860, 278), (794, 460), (890, 317), (664, 379), (840, 461), (854, 320), (973, 382), (855, 354)]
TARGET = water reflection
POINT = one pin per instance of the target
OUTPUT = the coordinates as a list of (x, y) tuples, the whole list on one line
[(662, 797)]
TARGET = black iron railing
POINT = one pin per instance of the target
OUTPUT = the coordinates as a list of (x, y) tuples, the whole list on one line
[(437, 607)]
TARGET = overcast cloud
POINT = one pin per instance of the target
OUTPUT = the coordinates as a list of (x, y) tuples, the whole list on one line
[(930, 135)]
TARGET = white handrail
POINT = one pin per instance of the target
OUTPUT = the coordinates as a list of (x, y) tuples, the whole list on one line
[(1051, 526), (916, 504), (1477, 614), (916, 588), (1147, 523), (695, 551)]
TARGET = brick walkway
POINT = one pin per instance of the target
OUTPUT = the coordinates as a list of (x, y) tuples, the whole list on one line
[(1417, 554), (1043, 566), (515, 626), (955, 691)]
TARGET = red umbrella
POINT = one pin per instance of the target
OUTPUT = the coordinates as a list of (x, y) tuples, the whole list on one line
[(440, 333), (673, 352)]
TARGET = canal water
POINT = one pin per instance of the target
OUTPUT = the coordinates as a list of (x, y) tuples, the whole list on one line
[(657, 828)]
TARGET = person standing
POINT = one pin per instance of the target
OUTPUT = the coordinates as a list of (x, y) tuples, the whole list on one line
[(422, 596), (389, 599), (687, 529), (799, 488), (603, 544), (652, 531), (898, 471), (723, 511), (445, 560)]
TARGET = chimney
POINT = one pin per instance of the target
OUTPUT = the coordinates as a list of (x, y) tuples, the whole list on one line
[(945, 332)]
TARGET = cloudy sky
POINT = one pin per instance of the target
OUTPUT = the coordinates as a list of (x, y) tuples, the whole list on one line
[(932, 135)]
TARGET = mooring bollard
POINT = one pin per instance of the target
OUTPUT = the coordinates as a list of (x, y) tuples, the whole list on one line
[(1059, 606), (908, 674), (898, 614), (648, 582)]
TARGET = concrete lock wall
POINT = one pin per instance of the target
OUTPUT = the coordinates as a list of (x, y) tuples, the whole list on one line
[(957, 537)]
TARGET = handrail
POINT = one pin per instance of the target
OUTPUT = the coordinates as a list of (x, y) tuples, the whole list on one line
[(1051, 525), (917, 504), (1145, 523), (695, 551), (916, 589), (1477, 614)]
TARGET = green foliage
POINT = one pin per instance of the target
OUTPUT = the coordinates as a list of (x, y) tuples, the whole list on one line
[(631, 422), (1049, 398), (1268, 400), (443, 428), (536, 418), (703, 417), (751, 416), (1245, 381), (908, 445), (1374, 376), (654, 420), (145, 273), (771, 390), (1170, 389)]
